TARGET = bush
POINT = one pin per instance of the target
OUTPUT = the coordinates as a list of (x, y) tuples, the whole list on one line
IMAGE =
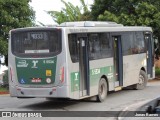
[(157, 71), (5, 80)]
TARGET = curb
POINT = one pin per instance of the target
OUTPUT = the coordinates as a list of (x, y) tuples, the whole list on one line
[(3, 95), (3, 92)]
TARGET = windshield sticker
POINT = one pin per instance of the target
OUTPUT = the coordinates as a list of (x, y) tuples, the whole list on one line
[(22, 63)]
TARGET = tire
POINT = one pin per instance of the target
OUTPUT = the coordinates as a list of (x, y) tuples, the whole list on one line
[(142, 81), (102, 90)]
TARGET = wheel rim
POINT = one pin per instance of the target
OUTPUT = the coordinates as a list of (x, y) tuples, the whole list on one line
[(141, 80), (102, 90)]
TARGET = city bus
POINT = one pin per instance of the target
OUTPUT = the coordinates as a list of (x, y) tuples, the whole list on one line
[(77, 60)]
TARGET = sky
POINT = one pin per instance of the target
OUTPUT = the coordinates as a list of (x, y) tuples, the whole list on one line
[(48, 5)]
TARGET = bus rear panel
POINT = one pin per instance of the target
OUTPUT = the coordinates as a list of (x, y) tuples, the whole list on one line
[(37, 63)]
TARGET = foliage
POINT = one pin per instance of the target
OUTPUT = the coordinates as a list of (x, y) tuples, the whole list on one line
[(2, 89), (5, 79), (13, 14), (157, 71), (71, 13), (129, 12)]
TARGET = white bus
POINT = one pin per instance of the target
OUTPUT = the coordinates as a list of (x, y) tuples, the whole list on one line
[(77, 60)]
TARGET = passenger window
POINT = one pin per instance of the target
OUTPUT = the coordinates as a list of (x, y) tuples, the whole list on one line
[(133, 43), (100, 46), (139, 42), (94, 46), (73, 47), (106, 45), (127, 43)]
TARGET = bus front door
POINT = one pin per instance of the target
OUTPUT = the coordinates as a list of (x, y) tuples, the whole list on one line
[(118, 62), (83, 66), (149, 55)]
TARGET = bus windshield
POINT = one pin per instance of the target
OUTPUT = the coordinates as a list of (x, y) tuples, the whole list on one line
[(36, 42)]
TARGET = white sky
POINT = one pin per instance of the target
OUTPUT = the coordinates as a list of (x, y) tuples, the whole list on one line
[(40, 5)]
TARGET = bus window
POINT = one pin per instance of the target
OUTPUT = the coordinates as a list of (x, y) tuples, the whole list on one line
[(100, 46), (139, 42), (127, 43), (94, 45), (73, 47), (41, 43), (106, 45), (133, 43)]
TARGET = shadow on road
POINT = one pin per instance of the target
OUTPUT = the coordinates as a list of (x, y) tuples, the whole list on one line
[(58, 104), (46, 105)]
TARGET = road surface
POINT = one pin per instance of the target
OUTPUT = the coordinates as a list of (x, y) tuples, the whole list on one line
[(116, 101)]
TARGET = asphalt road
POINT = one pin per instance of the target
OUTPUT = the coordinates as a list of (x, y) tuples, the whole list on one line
[(116, 101)]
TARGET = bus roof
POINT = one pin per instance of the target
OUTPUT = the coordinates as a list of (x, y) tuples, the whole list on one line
[(90, 25)]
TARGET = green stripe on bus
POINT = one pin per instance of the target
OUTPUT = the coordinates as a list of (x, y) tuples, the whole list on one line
[(95, 75)]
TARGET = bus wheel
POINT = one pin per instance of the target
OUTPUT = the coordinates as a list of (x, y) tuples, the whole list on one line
[(142, 81), (102, 90)]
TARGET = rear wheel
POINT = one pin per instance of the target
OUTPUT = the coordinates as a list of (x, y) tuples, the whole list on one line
[(102, 90), (142, 81)]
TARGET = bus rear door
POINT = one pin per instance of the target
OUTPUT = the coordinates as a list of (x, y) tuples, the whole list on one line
[(118, 62), (83, 64)]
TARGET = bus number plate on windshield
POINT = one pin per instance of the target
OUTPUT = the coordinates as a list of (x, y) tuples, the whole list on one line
[(37, 36)]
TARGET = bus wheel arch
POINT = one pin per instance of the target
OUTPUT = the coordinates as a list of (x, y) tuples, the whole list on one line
[(102, 89), (143, 69)]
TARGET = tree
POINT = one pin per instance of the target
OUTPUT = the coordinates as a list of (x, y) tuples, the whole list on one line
[(13, 14), (129, 12), (71, 13)]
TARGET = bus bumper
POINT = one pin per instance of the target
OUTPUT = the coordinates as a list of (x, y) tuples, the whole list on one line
[(54, 92)]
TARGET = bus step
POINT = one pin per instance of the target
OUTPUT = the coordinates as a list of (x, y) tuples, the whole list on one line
[(118, 88)]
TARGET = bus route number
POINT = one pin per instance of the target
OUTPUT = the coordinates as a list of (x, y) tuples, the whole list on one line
[(37, 36), (96, 71), (48, 61)]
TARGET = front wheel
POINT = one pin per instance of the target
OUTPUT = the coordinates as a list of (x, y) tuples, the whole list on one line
[(102, 90), (142, 81)]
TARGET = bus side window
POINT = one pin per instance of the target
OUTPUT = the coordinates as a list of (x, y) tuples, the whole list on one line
[(128, 44), (73, 47), (139, 42), (106, 45), (100, 46), (94, 47)]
